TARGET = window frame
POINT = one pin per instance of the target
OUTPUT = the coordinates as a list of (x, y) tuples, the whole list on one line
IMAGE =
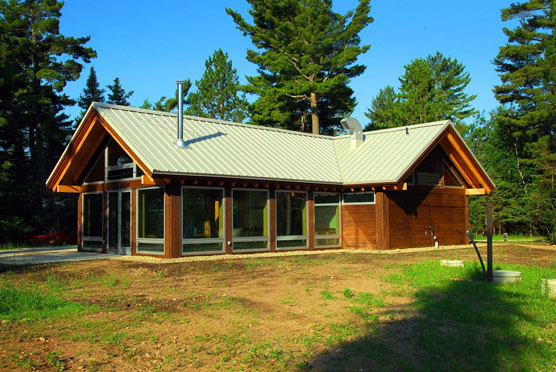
[(205, 240), (339, 205), (359, 203), (150, 240), (119, 230), (291, 237), (87, 237), (251, 238), (446, 165)]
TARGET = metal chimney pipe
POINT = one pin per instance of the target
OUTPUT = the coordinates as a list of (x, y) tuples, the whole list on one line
[(179, 141)]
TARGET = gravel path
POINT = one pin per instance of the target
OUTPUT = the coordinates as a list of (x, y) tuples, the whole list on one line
[(243, 256)]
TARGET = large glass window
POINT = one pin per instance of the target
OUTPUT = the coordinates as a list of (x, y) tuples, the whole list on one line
[(327, 220), (202, 218), (291, 220), (250, 220), (359, 197), (92, 221), (150, 220)]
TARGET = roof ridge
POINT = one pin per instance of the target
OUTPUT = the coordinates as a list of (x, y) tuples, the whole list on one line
[(409, 127), (214, 121)]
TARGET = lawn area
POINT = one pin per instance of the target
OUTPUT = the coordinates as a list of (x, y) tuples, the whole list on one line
[(329, 312), (513, 239)]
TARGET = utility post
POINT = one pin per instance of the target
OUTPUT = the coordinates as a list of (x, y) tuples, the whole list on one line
[(489, 241)]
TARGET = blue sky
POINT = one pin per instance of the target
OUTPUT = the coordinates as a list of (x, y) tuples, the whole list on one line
[(151, 44)]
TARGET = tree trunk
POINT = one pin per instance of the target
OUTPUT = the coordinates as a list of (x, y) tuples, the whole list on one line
[(314, 114)]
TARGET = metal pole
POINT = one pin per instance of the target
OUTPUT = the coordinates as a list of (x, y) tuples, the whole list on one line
[(179, 141), (489, 241), (477, 250)]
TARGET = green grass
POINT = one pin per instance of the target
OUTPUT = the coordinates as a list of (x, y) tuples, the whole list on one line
[(19, 303), (513, 238), (458, 322)]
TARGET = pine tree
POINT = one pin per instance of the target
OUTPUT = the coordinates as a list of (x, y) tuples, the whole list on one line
[(384, 110), (431, 89), (36, 62), (218, 94), (528, 122), (306, 56), (117, 95), (91, 93)]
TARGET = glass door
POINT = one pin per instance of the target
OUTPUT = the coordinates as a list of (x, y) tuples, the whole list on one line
[(119, 222)]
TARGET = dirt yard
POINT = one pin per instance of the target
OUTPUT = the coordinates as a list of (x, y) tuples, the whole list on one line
[(251, 314)]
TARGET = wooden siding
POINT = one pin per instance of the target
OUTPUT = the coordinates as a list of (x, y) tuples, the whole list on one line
[(413, 211), (172, 220), (358, 226), (382, 213)]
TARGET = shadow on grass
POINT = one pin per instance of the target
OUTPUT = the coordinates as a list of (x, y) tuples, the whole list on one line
[(459, 325)]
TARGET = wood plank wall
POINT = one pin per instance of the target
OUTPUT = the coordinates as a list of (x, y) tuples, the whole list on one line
[(358, 226), (79, 221), (172, 220), (382, 213), (411, 213)]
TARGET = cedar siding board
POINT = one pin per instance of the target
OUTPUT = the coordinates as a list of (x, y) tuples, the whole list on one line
[(401, 216), (412, 213), (358, 226)]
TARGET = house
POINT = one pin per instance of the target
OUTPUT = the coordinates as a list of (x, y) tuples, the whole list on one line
[(235, 188)]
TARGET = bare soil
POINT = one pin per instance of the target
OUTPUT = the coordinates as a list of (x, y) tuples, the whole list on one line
[(243, 314)]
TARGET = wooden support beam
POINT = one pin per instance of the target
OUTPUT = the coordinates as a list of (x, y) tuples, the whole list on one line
[(475, 191), (272, 219), (311, 219), (68, 188), (148, 181), (382, 215), (228, 218)]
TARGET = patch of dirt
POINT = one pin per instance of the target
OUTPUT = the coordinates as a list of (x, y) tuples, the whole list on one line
[(254, 313)]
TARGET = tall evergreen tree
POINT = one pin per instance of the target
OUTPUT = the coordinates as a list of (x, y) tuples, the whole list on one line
[(306, 56), (526, 67), (218, 94), (118, 95), (36, 63), (91, 93), (384, 109), (431, 89)]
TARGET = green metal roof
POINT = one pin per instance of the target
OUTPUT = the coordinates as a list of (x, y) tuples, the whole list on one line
[(224, 149)]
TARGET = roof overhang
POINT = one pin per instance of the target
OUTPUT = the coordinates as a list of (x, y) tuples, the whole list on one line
[(88, 136), (463, 159)]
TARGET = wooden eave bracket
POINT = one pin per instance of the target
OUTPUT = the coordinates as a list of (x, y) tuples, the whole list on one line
[(68, 188), (475, 192), (466, 164), (154, 181)]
